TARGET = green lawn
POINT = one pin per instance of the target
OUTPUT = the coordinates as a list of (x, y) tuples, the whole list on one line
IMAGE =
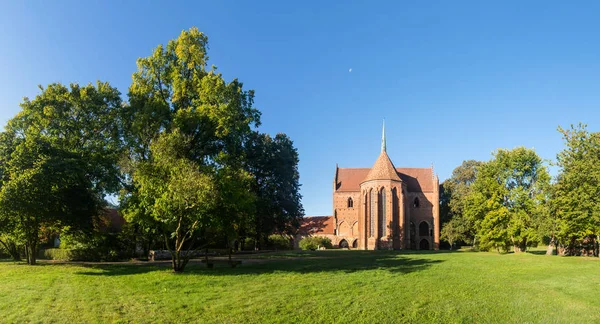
[(330, 286)]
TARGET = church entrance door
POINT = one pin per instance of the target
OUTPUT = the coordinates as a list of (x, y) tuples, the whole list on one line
[(424, 245)]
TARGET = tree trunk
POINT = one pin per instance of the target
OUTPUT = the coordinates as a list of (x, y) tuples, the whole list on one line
[(551, 246), (31, 248), (13, 249), (229, 250)]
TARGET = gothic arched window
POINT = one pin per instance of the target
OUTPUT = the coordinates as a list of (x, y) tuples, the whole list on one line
[(416, 202), (423, 229), (350, 202), (382, 216), (373, 214)]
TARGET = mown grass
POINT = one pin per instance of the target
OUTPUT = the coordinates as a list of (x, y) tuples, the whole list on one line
[(318, 287)]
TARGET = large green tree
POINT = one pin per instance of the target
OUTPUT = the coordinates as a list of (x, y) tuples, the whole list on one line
[(57, 157), (274, 164), (46, 187), (453, 193), (179, 193), (174, 91), (83, 120), (576, 198), (506, 199)]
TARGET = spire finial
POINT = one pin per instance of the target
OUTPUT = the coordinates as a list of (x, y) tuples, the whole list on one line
[(383, 149)]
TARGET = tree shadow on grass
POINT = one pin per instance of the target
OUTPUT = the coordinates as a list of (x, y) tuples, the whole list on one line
[(537, 252), (342, 262)]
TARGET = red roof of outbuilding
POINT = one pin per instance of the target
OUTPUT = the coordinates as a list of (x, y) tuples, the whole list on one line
[(315, 225)]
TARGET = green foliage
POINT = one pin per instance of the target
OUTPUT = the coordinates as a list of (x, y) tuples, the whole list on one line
[(179, 194), (279, 242), (94, 246), (201, 185), (576, 195), (453, 194), (79, 120), (507, 199), (90, 255), (46, 187), (315, 242), (183, 154), (57, 160), (454, 231), (274, 164)]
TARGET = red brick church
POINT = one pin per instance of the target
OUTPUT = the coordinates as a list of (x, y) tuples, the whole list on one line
[(382, 207)]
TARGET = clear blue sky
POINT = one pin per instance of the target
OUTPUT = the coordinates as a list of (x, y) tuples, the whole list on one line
[(454, 80)]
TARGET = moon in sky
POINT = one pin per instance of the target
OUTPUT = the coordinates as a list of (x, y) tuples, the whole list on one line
[(350, 70)]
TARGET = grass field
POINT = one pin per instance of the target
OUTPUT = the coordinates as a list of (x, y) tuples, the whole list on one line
[(319, 287)]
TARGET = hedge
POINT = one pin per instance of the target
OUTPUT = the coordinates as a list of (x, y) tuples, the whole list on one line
[(80, 255), (315, 242), (279, 242)]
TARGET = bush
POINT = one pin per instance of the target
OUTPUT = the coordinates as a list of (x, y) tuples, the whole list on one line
[(95, 246), (315, 242), (81, 255), (279, 242), (57, 254)]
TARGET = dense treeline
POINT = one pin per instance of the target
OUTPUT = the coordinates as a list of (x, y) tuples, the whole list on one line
[(511, 202), (183, 154)]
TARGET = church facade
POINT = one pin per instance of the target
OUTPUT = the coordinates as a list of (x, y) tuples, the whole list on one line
[(382, 207)]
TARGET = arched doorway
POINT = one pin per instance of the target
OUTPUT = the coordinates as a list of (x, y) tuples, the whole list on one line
[(343, 244), (355, 244), (424, 245)]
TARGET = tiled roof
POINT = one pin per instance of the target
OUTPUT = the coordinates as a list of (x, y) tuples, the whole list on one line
[(383, 169), (417, 179), (315, 225), (349, 179)]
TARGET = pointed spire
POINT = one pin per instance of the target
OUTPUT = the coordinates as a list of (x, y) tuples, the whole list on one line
[(383, 148), (383, 169)]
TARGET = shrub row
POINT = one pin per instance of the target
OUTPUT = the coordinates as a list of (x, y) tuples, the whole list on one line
[(82, 255), (315, 242)]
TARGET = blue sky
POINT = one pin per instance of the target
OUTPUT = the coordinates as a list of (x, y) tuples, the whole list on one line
[(454, 80)]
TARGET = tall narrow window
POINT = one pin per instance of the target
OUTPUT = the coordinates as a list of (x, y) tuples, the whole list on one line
[(350, 202), (423, 229), (416, 202), (373, 214), (382, 215)]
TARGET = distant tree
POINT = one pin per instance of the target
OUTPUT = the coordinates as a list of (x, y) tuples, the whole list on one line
[(8, 238), (576, 198), (273, 162), (453, 195), (454, 231), (505, 198), (236, 204)]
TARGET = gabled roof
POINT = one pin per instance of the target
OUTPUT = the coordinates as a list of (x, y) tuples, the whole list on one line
[(416, 179)]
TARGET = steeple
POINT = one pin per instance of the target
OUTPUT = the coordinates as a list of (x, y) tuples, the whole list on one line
[(383, 169), (383, 148)]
